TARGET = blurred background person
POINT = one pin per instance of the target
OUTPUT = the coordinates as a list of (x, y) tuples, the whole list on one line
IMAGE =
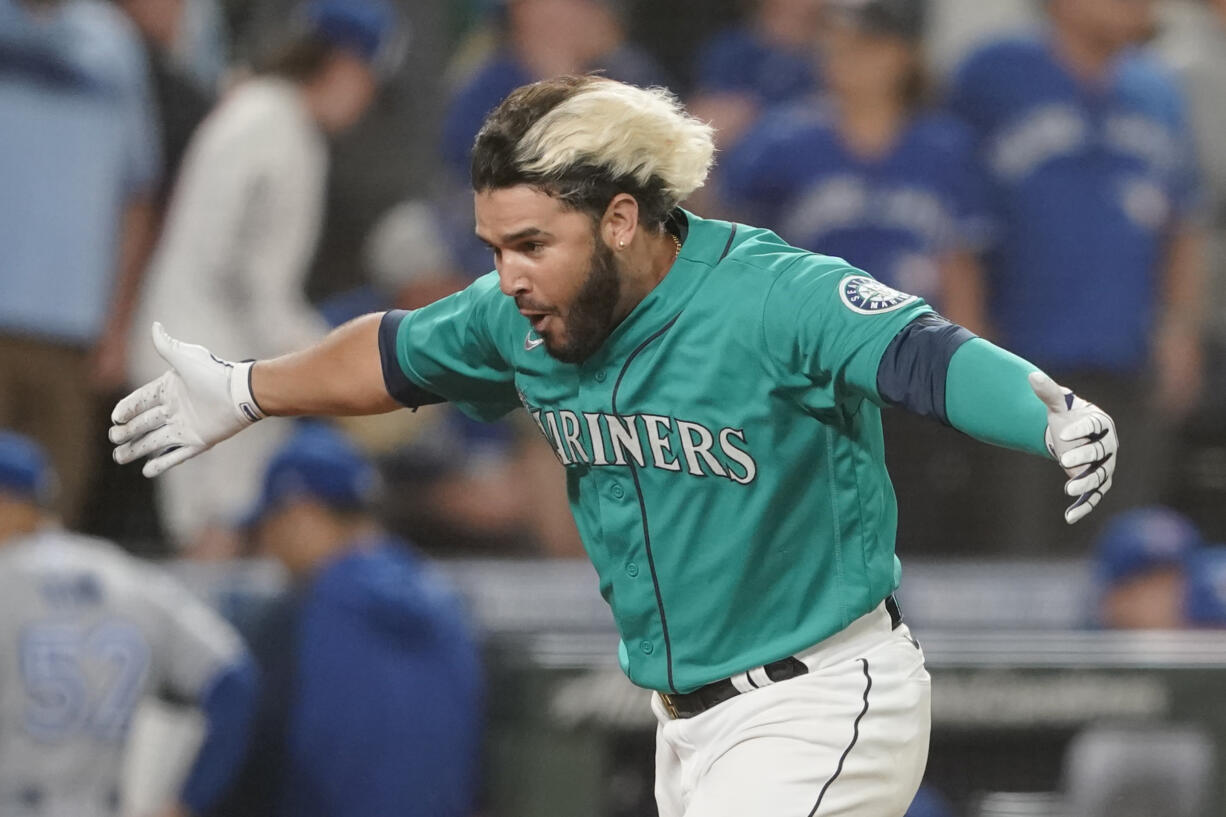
[(867, 172), (1098, 271), (374, 682), (79, 156), (870, 173), (1142, 562), (767, 59), (87, 633), (537, 39), (241, 232)]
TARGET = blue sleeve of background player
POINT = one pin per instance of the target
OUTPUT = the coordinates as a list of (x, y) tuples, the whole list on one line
[(229, 706)]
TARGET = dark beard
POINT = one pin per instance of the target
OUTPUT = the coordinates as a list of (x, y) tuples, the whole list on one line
[(591, 319)]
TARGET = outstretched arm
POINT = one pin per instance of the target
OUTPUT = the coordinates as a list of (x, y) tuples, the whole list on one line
[(342, 375), (202, 400), (938, 369)]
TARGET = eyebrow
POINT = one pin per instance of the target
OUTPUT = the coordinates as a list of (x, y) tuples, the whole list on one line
[(527, 232)]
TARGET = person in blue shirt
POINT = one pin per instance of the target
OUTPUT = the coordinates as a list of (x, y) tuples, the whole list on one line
[(869, 173), (538, 39), (374, 681), (767, 60), (866, 172), (1097, 273), (79, 159)]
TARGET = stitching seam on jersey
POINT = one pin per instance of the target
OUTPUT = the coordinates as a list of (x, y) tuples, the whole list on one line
[(638, 490), (836, 527), (728, 246), (855, 735)]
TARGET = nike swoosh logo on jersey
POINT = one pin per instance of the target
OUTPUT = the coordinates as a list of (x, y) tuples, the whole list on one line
[(531, 343)]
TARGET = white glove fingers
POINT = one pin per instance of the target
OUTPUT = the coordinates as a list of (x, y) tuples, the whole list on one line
[(150, 444), (140, 401), (1089, 426), (1089, 480), (169, 459), (139, 426), (1086, 503), (1084, 455)]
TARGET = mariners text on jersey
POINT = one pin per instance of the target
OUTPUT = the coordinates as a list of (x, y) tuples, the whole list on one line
[(743, 387)]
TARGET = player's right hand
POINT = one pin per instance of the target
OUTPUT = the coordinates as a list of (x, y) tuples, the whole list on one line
[(201, 401), (1082, 438)]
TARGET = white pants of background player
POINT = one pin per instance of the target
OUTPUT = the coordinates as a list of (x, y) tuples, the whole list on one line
[(849, 739)]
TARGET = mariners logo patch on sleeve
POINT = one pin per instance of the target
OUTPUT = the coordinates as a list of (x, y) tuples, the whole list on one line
[(868, 297)]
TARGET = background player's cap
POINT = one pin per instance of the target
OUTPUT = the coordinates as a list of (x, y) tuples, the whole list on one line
[(317, 464), (900, 18), (365, 28), (25, 471), (1206, 587), (1143, 539)]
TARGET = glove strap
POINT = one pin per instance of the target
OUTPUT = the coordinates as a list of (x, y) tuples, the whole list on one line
[(240, 392)]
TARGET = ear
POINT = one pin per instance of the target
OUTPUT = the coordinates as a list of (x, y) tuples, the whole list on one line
[(620, 222)]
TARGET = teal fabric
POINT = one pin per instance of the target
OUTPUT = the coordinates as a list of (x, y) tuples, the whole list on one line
[(988, 396)]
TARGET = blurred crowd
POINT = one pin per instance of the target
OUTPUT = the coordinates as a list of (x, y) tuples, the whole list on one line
[(1052, 175), (1049, 173)]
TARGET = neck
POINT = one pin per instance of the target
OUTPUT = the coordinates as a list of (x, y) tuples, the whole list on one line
[(1088, 59), (645, 265), (870, 123)]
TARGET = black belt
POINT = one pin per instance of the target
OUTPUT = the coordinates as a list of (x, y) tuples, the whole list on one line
[(689, 704)]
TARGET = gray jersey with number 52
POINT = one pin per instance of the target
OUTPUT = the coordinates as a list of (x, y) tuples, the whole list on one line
[(85, 632)]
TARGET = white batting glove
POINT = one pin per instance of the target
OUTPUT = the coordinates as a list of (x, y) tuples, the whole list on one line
[(1082, 438), (201, 401)]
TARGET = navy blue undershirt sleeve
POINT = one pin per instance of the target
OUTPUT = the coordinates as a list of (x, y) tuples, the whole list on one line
[(398, 384), (913, 369), (228, 706)]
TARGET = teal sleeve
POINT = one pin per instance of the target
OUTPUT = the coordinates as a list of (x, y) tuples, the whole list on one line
[(988, 396), (832, 323), (449, 349)]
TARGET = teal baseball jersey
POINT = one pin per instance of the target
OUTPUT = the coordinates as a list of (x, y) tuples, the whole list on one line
[(723, 448)]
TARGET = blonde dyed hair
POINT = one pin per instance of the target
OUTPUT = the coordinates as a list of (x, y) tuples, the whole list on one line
[(631, 132), (585, 139)]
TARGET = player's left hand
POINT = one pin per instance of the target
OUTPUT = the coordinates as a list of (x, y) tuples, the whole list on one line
[(1082, 438)]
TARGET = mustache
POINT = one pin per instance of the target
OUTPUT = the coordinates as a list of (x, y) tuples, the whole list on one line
[(525, 305)]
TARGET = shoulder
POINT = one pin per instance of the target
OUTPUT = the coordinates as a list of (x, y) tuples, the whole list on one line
[(1147, 83), (263, 116), (761, 259), (389, 583), (1002, 59)]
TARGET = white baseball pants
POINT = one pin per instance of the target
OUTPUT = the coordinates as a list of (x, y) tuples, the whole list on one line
[(849, 739)]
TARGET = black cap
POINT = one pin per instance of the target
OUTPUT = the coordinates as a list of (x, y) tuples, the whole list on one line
[(899, 18)]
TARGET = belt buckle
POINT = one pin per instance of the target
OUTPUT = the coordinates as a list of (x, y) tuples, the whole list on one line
[(669, 706)]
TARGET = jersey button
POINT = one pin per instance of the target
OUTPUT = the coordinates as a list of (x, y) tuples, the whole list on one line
[(647, 647), (632, 570), (617, 491), (599, 375)]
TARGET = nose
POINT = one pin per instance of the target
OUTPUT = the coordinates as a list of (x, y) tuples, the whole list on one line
[(511, 279)]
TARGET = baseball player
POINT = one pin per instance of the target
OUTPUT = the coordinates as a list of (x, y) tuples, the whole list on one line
[(714, 395), (87, 632)]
